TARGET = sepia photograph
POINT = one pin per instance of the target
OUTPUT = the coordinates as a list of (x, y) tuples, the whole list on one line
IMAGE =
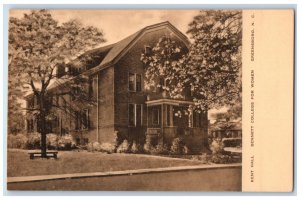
[(124, 100)]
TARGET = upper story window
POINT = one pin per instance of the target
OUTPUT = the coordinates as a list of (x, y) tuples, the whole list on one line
[(138, 82), (164, 83), (131, 82), (135, 82)]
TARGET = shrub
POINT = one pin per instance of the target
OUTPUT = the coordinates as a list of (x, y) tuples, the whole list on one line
[(160, 149), (96, 146), (107, 147), (185, 150), (147, 147), (221, 159), (66, 142), (136, 148), (52, 141), (89, 147), (204, 158), (217, 146), (104, 147), (124, 147), (177, 146), (34, 141), (18, 141)]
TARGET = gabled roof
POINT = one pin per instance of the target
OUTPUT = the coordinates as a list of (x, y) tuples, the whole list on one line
[(118, 49)]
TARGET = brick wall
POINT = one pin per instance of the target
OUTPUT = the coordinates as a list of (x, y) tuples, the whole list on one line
[(106, 105)]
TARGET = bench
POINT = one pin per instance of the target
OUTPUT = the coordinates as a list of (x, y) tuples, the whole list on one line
[(51, 153)]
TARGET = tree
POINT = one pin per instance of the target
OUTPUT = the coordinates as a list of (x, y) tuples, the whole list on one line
[(38, 45), (212, 67), (16, 119), (233, 113)]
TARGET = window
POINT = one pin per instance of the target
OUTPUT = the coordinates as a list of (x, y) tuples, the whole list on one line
[(148, 50), (163, 84), (135, 82), (138, 115), (77, 120), (135, 115), (93, 87), (131, 115), (138, 82), (155, 116), (85, 119), (188, 92), (131, 82), (82, 119)]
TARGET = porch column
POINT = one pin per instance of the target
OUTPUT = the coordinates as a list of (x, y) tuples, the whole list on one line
[(147, 116), (191, 118), (171, 116), (162, 116), (161, 139)]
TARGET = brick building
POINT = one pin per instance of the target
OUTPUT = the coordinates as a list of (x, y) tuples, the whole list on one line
[(124, 109)]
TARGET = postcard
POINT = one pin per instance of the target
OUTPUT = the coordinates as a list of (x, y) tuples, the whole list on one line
[(150, 100)]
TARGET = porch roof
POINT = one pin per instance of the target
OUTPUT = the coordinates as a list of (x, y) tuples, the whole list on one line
[(169, 102)]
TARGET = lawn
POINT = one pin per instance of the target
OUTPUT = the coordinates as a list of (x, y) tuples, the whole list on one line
[(19, 164)]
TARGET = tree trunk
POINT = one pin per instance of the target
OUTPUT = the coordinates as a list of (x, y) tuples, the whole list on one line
[(44, 145), (42, 125)]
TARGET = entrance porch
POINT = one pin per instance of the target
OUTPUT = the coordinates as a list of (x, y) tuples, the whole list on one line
[(168, 119)]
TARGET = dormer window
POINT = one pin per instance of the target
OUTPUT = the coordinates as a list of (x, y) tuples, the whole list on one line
[(147, 50)]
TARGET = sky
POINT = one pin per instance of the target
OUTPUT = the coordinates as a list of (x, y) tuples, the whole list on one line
[(118, 24)]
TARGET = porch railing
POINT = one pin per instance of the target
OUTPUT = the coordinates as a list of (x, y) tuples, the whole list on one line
[(153, 131)]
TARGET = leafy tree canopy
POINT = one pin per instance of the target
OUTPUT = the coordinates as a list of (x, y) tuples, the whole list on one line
[(211, 68), (38, 44)]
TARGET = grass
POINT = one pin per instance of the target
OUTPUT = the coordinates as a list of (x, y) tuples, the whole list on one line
[(19, 164)]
